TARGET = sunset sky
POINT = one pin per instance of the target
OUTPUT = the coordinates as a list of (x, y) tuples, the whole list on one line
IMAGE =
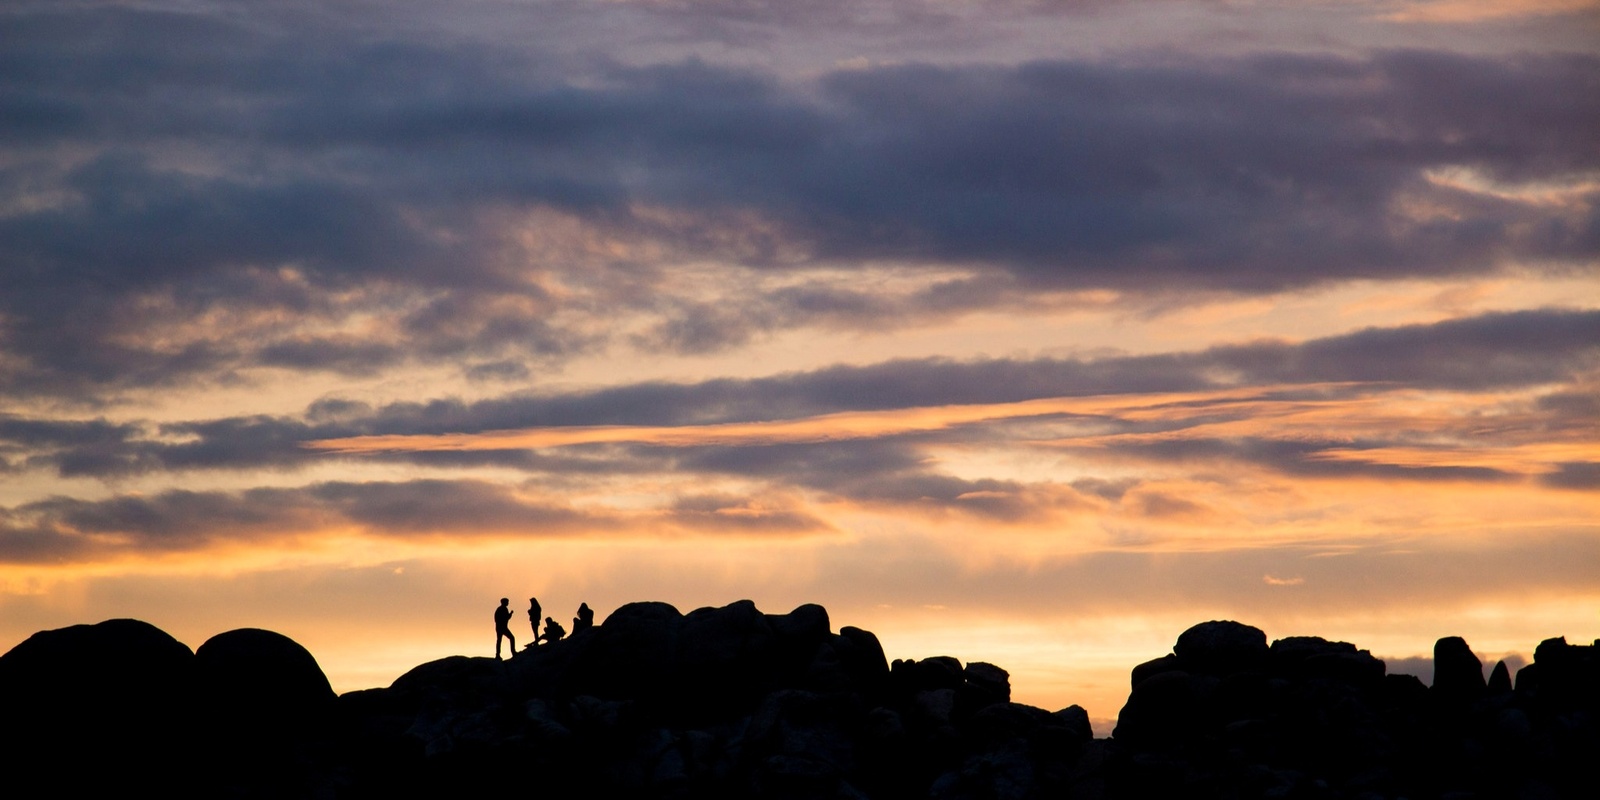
[(1024, 331)]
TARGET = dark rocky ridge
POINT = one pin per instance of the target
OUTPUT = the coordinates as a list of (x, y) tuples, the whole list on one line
[(733, 703)]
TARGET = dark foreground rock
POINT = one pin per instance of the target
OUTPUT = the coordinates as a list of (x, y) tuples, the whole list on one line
[(734, 703), (1310, 718)]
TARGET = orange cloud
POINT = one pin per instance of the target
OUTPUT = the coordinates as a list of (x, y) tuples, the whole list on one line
[(1462, 11), (823, 428)]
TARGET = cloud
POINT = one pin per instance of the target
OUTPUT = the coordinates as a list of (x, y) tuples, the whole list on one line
[(1404, 402), (1581, 475), (1469, 11), (69, 530), (195, 195)]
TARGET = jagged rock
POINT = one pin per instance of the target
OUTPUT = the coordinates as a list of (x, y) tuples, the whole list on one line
[(1221, 647), (1457, 672), (1568, 674)]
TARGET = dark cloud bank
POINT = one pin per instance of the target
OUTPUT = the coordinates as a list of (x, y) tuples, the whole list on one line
[(1486, 353), (262, 176)]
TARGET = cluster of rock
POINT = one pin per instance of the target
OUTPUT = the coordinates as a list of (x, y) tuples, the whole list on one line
[(1227, 715), (733, 703), (120, 707), (719, 703)]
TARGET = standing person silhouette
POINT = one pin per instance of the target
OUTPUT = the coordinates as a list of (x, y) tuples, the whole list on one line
[(502, 619), (533, 619)]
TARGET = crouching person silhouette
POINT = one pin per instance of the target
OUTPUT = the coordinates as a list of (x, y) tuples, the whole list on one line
[(502, 623), (552, 631)]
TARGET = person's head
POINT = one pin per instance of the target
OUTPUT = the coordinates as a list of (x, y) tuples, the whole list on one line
[(505, 601), (550, 620)]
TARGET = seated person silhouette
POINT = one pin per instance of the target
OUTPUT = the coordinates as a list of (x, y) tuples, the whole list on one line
[(502, 619), (552, 631), (584, 621)]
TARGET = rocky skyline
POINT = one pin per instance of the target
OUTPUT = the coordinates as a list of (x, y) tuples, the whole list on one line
[(730, 702), (1056, 326)]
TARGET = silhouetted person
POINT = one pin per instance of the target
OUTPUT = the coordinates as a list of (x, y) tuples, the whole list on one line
[(533, 619), (552, 631), (584, 621), (502, 621)]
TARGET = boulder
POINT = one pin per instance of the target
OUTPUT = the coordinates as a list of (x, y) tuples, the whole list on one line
[(1163, 711), (1457, 672), (934, 672), (118, 695), (1155, 666), (731, 653), (1315, 657), (261, 679), (1220, 648), (632, 654), (1075, 719), (1500, 679), (986, 684), (801, 630), (862, 656), (1568, 675)]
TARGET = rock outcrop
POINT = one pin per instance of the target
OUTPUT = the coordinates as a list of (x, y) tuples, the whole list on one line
[(93, 707), (733, 703), (1226, 715), (720, 702)]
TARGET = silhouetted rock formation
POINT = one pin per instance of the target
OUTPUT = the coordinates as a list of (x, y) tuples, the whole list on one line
[(733, 703), (261, 679), (94, 707), (265, 714), (1457, 672), (1226, 716)]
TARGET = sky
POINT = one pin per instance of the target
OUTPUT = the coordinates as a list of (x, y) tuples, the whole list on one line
[(1023, 331)]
